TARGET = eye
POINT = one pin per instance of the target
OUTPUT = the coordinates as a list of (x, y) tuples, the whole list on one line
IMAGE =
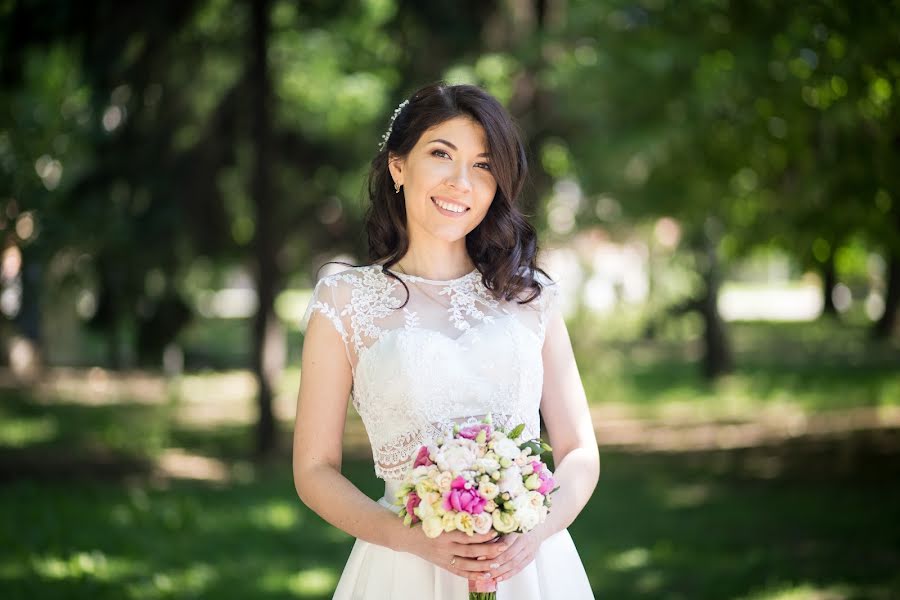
[(439, 152), (484, 165)]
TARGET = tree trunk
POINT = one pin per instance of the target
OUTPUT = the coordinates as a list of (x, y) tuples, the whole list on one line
[(266, 330), (717, 359), (28, 319), (829, 280), (884, 327)]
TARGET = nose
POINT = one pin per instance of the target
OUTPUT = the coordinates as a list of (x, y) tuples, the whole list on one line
[(459, 179)]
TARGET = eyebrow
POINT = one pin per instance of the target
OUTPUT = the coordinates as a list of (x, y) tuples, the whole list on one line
[(442, 141)]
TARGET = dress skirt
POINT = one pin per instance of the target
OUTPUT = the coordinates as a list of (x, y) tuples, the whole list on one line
[(375, 572)]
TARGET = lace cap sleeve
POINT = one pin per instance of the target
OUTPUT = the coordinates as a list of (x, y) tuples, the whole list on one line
[(549, 300), (327, 300)]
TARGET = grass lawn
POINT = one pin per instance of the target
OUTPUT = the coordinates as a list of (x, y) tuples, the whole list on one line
[(658, 526), (88, 511)]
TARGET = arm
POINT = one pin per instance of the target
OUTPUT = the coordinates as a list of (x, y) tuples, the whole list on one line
[(567, 417), (325, 383), (576, 458), (317, 454)]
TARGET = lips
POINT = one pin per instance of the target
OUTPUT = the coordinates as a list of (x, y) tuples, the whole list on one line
[(438, 200)]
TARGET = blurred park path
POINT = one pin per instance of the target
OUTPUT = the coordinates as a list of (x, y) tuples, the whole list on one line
[(212, 403)]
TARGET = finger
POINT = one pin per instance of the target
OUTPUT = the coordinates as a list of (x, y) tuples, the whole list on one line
[(511, 565), (520, 565), (456, 567), (511, 551), (474, 567), (491, 551), (476, 550), (479, 538)]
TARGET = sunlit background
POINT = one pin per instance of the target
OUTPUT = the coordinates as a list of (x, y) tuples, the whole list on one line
[(715, 184)]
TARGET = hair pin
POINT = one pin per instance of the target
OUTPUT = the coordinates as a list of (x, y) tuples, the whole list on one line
[(387, 134)]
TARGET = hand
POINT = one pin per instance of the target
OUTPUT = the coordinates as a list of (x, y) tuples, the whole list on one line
[(522, 549), (472, 556)]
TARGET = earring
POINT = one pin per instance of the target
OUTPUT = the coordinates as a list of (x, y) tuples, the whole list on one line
[(396, 188)]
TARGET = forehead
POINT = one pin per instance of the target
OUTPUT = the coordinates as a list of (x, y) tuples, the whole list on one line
[(463, 132)]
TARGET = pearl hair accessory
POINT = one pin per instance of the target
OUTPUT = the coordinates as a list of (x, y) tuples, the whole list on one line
[(387, 133)]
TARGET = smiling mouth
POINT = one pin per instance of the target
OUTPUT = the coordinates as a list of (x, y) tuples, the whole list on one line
[(449, 207)]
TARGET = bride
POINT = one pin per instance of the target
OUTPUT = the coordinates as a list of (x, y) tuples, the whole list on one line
[(452, 320)]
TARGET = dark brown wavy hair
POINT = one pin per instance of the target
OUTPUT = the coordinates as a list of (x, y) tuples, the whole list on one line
[(504, 245)]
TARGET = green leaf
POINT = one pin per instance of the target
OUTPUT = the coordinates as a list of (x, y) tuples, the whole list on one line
[(517, 431), (536, 449)]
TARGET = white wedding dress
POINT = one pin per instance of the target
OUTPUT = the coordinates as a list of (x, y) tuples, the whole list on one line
[(451, 355)]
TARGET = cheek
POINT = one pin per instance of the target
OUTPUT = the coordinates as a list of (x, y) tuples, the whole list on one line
[(486, 196)]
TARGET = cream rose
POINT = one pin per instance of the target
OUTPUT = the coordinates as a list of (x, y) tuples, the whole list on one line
[(482, 523), (488, 490), (448, 520), (504, 522), (443, 481), (433, 526)]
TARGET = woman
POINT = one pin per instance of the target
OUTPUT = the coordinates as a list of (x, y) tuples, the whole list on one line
[(451, 321)]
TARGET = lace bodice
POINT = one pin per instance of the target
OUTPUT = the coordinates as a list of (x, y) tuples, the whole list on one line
[(451, 355)]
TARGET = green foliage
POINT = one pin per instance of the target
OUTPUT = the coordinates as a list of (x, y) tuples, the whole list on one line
[(517, 431)]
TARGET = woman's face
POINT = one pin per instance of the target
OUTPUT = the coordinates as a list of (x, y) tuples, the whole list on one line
[(447, 180)]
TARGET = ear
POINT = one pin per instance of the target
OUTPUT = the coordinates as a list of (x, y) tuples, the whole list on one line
[(396, 166)]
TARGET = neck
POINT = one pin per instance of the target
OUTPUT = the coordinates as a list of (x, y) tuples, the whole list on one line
[(439, 262)]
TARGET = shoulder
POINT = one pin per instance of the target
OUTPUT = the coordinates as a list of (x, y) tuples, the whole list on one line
[(350, 277), (549, 286), (352, 281)]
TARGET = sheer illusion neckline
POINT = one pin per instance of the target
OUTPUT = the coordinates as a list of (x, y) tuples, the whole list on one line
[(418, 279)]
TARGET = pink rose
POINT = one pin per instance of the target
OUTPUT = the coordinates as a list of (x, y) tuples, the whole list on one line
[(547, 483), (422, 459), (462, 498), (471, 432), (546, 477), (412, 501)]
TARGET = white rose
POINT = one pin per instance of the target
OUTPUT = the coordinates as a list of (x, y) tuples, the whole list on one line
[(483, 523), (511, 481), (456, 458), (489, 464), (506, 448), (528, 518), (488, 490), (420, 473), (527, 515), (433, 526)]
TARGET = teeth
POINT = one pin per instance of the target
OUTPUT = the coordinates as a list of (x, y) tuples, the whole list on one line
[(451, 207)]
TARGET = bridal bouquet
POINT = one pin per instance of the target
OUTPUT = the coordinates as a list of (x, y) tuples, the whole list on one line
[(482, 479)]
